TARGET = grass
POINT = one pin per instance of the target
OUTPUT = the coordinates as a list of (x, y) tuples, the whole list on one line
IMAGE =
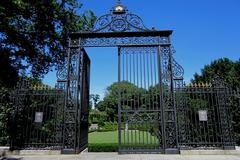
[(103, 137), (131, 136), (103, 141), (108, 141)]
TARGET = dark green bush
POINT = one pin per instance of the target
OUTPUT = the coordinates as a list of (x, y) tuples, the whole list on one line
[(104, 130), (103, 147), (113, 147), (110, 126), (96, 117), (100, 123), (5, 115)]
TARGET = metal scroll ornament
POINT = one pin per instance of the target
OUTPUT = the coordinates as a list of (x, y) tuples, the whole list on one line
[(178, 70), (119, 20), (62, 72)]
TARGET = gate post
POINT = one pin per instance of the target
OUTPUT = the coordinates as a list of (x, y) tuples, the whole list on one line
[(72, 102), (168, 98)]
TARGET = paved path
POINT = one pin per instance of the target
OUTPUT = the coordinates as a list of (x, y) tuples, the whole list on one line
[(115, 156)]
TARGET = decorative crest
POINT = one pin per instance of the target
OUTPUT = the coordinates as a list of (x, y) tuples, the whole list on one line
[(119, 20), (219, 82)]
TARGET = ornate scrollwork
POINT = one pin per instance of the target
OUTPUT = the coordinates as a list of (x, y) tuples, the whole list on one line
[(143, 118), (119, 22), (23, 84), (123, 41), (178, 70), (166, 76), (62, 72), (219, 82), (116, 41), (135, 23), (102, 23)]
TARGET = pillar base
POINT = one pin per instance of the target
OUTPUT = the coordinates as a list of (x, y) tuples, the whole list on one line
[(68, 151), (172, 151)]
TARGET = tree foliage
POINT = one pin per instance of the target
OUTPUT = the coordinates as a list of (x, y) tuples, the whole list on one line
[(228, 70), (6, 109), (109, 104), (33, 33), (94, 98)]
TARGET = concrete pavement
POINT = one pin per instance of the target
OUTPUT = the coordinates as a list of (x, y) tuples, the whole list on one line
[(115, 156)]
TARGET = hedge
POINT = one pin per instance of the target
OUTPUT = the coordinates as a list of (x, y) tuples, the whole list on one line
[(113, 147), (103, 147)]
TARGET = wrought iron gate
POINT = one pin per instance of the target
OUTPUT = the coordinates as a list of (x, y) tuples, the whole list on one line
[(140, 109), (75, 130), (147, 120)]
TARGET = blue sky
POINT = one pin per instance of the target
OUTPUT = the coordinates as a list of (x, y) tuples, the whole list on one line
[(204, 30)]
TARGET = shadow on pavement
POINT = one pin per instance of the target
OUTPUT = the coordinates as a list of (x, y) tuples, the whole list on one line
[(8, 158)]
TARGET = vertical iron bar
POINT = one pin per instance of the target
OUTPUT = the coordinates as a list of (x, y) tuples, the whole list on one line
[(119, 99), (172, 92), (207, 96), (131, 100), (159, 63), (79, 94), (219, 117), (199, 122), (214, 128), (67, 91), (205, 123)]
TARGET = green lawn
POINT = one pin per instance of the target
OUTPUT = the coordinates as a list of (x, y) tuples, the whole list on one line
[(103, 137), (108, 141), (133, 136)]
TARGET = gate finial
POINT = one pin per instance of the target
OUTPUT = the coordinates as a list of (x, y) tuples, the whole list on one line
[(119, 8)]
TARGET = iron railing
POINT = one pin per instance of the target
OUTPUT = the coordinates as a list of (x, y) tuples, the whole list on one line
[(204, 116), (38, 119)]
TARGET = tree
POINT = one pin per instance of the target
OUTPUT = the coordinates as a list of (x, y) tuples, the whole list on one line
[(95, 98), (230, 71), (226, 68), (8, 74), (33, 34), (109, 104)]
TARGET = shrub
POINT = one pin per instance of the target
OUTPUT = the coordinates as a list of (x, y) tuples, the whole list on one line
[(100, 123), (103, 130), (113, 147), (110, 126), (96, 116), (103, 147), (5, 115)]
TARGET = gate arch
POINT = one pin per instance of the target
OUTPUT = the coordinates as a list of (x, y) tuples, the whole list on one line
[(139, 50)]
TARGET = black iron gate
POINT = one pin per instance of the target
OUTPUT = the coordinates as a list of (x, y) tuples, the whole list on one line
[(140, 110), (147, 113), (76, 108)]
